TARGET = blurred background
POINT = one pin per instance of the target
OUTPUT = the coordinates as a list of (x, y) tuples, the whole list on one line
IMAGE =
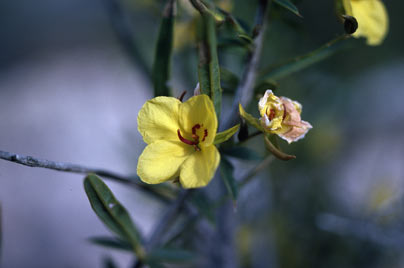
[(70, 90)]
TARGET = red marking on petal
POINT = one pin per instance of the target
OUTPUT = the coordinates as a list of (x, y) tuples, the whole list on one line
[(194, 128), (205, 134)]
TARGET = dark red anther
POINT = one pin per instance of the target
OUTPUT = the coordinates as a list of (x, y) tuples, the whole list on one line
[(205, 134), (184, 140)]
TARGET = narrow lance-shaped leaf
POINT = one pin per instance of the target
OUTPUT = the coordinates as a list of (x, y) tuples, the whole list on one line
[(250, 119), (170, 255), (302, 62), (289, 6), (233, 22), (225, 135), (161, 65), (111, 242), (111, 212), (226, 172), (208, 67)]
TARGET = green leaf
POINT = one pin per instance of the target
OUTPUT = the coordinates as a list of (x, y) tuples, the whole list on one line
[(243, 153), (233, 22), (170, 255), (208, 68), (302, 62), (226, 172), (255, 122), (161, 65), (289, 6), (225, 135), (111, 242), (111, 212), (246, 38)]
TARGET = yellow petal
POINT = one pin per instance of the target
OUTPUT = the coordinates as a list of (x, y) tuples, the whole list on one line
[(347, 6), (372, 19), (198, 110), (161, 160), (271, 110), (200, 167), (158, 119)]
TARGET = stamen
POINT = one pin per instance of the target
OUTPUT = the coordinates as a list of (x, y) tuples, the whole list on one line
[(271, 114), (184, 140), (197, 148), (205, 134), (181, 97)]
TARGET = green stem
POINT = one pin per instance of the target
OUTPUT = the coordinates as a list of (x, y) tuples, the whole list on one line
[(296, 64)]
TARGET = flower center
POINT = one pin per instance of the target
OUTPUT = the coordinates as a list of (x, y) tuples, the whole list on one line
[(195, 137), (271, 114)]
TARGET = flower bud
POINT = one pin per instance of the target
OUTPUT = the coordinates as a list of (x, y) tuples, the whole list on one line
[(350, 24)]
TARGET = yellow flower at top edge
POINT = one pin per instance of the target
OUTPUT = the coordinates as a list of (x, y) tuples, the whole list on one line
[(281, 116), (372, 18), (180, 140)]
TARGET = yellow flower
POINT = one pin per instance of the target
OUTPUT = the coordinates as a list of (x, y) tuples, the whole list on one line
[(281, 116), (373, 21), (180, 140)]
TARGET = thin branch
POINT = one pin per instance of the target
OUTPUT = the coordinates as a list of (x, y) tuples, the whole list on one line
[(198, 5), (245, 90), (74, 168)]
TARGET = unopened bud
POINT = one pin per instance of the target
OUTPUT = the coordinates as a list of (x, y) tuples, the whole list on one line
[(350, 24)]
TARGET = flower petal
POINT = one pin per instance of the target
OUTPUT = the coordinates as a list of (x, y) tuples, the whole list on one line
[(372, 19), (161, 161), (292, 115), (296, 132), (198, 110), (271, 110), (200, 167), (158, 119)]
